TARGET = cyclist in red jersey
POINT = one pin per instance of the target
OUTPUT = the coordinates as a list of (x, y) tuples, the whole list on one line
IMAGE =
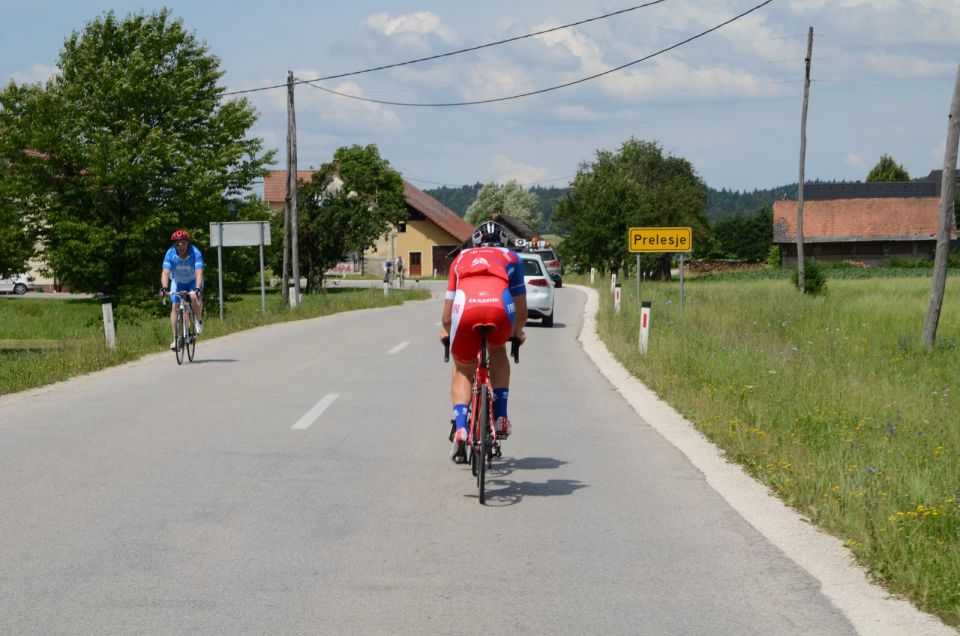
[(486, 287)]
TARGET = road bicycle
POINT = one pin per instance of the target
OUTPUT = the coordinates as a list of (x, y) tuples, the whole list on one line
[(185, 330), (483, 444)]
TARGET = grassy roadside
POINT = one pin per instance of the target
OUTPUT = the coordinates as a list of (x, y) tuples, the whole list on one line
[(75, 329), (832, 401)]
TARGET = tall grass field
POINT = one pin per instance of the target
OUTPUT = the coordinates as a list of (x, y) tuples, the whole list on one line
[(48, 340), (832, 401)]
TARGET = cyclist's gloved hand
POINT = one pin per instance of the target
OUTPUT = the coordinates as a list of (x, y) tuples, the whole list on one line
[(198, 292)]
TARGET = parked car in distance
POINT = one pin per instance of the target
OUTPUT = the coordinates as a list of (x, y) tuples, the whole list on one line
[(540, 294), (19, 284)]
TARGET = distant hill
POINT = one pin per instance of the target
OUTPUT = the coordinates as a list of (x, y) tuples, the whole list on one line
[(720, 203)]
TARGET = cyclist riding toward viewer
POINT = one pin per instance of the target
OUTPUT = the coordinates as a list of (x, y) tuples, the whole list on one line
[(485, 287), (183, 271)]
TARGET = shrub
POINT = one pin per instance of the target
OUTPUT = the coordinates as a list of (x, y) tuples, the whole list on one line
[(773, 256), (814, 278)]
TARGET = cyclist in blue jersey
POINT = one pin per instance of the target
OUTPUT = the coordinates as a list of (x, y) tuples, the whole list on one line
[(183, 271)]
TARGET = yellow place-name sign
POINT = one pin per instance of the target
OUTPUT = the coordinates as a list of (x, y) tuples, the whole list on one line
[(660, 239)]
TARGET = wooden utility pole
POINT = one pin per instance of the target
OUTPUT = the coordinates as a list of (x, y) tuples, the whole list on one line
[(801, 282), (946, 223), (292, 190), (285, 277)]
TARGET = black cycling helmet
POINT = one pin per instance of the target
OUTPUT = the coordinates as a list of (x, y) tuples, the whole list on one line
[(489, 233)]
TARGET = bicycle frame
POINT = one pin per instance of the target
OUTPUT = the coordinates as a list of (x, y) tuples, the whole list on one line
[(482, 439), (185, 329)]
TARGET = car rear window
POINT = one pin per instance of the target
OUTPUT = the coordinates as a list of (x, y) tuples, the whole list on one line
[(547, 255), (531, 267)]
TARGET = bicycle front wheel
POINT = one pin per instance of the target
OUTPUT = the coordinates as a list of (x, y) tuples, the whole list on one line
[(191, 338), (483, 426), (178, 334)]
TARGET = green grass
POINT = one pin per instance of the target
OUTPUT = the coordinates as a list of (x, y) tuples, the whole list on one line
[(832, 401), (78, 326)]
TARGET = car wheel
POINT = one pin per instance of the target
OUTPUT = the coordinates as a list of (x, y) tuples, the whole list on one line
[(559, 283), (19, 289), (547, 321)]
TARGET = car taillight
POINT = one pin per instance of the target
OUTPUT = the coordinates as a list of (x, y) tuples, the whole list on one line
[(554, 263), (538, 282)]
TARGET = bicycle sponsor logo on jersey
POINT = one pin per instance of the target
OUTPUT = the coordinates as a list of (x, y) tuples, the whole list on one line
[(480, 261), (483, 300)]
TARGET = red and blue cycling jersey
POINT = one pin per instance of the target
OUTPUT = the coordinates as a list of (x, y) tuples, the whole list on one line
[(482, 285)]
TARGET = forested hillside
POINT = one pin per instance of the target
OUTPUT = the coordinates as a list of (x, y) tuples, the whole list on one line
[(721, 204)]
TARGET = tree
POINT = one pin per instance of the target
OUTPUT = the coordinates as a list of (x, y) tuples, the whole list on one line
[(509, 199), (746, 237), (347, 205), (133, 140), (637, 186), (887, 170), (17, 233)]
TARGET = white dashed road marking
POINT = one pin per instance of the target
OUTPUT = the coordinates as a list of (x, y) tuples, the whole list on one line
[(311, 416), (399, 347)]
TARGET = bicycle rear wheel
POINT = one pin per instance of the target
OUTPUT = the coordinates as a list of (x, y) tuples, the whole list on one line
[(483, 426), (178, 334)]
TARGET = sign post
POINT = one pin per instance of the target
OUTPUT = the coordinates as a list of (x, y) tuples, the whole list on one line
[(616, 297), (240, 234), (657, 240)]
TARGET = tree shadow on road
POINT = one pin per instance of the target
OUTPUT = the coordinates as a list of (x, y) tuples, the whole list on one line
[(502, 491)]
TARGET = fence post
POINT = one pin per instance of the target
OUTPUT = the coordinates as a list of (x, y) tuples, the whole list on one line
[(644, 326), (108, 326)]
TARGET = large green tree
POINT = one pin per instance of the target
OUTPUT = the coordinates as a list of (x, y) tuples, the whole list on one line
[(132, 139), (636, 186), (347, 205), (17, 231), (745, 236), (509, 199), (887, 170)]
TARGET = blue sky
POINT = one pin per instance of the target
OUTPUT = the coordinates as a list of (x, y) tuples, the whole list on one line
[(883, 74)]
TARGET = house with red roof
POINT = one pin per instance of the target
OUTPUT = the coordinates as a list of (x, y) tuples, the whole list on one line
[(866, 222), (427, 241)]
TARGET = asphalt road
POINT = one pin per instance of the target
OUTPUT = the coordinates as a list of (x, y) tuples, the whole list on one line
[(295, 480)]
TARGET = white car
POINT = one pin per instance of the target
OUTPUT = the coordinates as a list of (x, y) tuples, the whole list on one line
[(539, 288), (19, 284)]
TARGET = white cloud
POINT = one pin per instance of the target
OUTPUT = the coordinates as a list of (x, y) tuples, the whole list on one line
[(856, 162), (505, 169), (416, 24), (36, 73)]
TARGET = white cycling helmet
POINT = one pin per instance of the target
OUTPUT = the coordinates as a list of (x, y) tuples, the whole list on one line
[(490, 233)]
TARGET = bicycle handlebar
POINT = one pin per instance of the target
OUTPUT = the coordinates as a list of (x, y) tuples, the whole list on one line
[(514, 349)]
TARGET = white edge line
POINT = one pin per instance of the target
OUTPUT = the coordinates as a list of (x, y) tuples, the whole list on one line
[(399, 347), (869, 608), (311, 416)]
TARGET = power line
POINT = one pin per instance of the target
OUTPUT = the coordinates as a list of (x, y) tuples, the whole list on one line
[(542, 90), (457, 52)]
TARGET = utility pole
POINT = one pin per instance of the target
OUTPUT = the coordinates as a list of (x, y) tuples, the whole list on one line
[(947, 184), (801, 283), (284, 284), (292, 189)]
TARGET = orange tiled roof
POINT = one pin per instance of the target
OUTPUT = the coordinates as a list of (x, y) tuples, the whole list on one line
[(275, 184), (274, 191), (869, 219), (447, 219)]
